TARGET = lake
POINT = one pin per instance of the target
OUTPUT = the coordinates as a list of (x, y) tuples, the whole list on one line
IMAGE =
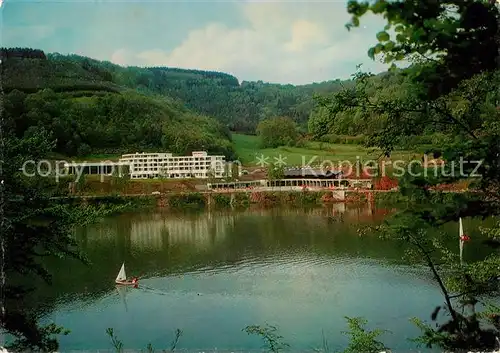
[(213, 273)]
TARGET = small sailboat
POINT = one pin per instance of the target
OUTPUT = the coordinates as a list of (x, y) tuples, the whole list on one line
[(122, 278), (462, 239)]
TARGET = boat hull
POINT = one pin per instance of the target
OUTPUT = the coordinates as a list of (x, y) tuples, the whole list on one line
[(126, 283)]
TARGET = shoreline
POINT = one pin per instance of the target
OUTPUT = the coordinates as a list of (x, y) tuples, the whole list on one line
[(196, 194), (239, 200)]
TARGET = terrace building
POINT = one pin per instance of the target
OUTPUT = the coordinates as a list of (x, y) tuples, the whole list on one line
[(309, 173)]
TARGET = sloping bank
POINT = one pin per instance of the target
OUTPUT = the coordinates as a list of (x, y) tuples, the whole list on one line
[(117, 203), (200, 200)]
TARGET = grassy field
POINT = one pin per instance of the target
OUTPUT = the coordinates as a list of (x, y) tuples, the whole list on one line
[(248, 151)]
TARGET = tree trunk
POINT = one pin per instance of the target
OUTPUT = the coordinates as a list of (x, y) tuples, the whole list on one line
[(497, 40)]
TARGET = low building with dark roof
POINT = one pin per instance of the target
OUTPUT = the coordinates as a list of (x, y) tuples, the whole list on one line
[(309, 173)]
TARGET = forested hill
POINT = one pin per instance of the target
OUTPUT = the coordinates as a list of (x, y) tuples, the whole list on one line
[(239, 106), (90, 107), (185, 96)]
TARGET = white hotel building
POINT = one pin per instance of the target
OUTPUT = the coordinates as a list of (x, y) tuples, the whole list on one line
[(158, 165)]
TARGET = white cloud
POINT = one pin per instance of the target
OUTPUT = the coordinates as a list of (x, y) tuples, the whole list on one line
[(284, 42), (121, 57), (306, 34)]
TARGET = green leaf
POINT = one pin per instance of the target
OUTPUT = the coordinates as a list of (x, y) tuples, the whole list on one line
[(378, 48), (389, 45), (379, 6), (371, 53), (401, 38), (383, 36), (399, 28), (399, 56)]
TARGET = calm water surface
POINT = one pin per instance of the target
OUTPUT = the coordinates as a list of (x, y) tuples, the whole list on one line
[(213, 273)]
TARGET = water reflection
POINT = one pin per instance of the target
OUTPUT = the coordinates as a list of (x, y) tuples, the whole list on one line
[(201, 232), (163, 244), (122, 292), (152, 232), (236, 268)]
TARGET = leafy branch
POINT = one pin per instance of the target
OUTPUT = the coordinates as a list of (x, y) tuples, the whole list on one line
[(273, 341)]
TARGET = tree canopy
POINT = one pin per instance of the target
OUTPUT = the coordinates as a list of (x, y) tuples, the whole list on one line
[(452, 87), (278, 131), (459, 38), (34, 227)]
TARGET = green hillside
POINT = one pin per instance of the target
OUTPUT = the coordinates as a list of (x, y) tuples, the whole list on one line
[(239, 106), (86, 112), (31, 75), (168, 108), (216, 94)]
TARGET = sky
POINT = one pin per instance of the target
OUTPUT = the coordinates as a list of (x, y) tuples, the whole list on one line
[(285, 42)]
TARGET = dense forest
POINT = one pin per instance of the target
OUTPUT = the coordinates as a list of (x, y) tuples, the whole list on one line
[(239, 106), (92, 105), (85, 112)]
